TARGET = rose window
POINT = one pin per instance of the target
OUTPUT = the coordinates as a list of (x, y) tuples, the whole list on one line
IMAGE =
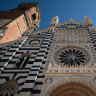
[(72, 56)]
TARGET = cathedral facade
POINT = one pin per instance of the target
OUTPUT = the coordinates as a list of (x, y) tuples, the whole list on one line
[(58, 61)]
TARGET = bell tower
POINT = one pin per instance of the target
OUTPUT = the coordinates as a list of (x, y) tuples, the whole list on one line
[(15, 22)]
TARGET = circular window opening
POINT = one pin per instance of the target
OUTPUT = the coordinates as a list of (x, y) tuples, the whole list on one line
[(34, 42), (72, 56)]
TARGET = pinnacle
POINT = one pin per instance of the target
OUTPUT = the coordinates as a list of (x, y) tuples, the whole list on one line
[(71, 21)]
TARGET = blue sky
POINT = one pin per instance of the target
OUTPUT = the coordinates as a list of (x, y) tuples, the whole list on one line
[(65, 9)]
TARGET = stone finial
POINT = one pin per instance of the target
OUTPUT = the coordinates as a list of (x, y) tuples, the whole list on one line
[(71, 21), (88, 21), (55, 20)]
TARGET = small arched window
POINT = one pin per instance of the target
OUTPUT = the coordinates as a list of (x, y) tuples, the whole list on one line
[(2, 32), (33, 16), (23, 59)]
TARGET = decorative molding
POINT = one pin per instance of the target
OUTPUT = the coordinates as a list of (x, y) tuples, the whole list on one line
[(9, 88), (69, 80)]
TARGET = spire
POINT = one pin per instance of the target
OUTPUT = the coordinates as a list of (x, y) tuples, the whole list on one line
[(55, 20), (71, 21), (53, 23), (88, 21)]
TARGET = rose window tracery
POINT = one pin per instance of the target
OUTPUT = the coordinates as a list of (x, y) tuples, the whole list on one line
[(72, 56)]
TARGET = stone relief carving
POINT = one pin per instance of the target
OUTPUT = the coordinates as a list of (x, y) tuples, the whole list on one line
[(48, 80), (9, 88)]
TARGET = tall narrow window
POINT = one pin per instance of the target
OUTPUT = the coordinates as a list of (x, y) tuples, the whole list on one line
[(23, 59)]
